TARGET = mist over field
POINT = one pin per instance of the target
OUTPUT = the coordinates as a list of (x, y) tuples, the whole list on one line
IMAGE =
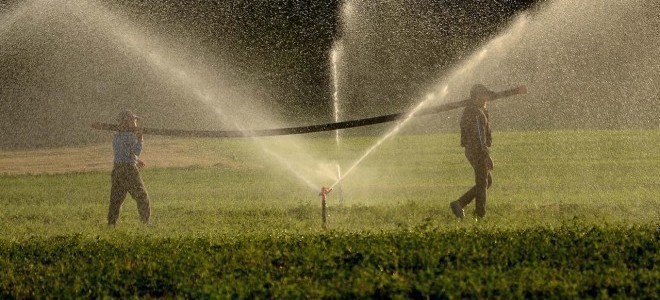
[(245, 65)]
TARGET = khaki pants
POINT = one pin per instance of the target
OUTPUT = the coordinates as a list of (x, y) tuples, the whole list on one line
[(126, 179), (482, 181)]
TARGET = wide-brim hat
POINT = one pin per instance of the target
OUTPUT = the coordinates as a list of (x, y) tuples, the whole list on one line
[(480, 89), (127, 115)]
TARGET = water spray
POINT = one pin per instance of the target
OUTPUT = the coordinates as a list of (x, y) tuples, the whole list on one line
[(340, 191), (334, 60), (324, 193)]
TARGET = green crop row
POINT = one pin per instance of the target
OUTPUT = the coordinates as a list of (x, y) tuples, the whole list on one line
[(575, 261)]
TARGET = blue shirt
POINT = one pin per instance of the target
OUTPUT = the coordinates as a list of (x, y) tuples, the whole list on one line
[(127, 148)]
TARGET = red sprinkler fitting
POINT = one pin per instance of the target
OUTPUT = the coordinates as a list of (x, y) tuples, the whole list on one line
[(324, 192)]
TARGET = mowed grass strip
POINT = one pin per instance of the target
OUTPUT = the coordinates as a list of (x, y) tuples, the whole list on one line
[(541, 178)]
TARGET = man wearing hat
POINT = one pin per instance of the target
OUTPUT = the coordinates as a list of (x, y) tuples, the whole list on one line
[(127, 146), (476, 138)]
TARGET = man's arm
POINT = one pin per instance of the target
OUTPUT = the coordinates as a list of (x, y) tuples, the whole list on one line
[(481, 132), (137, 145)]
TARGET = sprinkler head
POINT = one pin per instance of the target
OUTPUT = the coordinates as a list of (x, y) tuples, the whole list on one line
[(324, 191)]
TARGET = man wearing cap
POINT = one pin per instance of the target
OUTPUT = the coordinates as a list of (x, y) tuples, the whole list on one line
[(127, 146), (476, 138)]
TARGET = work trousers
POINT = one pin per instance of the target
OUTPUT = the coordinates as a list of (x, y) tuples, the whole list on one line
[(482, 181), (126, 179)]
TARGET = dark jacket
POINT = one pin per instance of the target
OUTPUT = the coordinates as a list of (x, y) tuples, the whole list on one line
[(475, 130)]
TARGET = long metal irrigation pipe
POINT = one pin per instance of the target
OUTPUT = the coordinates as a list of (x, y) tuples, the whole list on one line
[(301, 129)]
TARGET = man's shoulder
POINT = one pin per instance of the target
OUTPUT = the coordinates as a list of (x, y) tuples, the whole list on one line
[(471, 108)]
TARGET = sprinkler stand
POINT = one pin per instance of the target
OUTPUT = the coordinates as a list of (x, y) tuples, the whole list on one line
[(324, 192)]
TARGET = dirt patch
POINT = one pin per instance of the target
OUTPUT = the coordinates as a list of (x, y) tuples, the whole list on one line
[(157, 153)]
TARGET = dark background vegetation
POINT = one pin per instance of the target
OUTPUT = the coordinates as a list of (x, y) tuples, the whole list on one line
[(286, 43)]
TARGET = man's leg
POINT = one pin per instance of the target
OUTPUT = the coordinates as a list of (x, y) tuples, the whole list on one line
[(458, 205), (117, 196), (464, 200), (139, 193), (478, 166), (483, 181), (143, 206)]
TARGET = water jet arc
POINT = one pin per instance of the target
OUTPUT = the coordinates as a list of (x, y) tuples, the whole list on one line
[(302, 129)]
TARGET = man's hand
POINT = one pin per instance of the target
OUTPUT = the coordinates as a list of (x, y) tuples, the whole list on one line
[(522, 89), (489, 163), (140, 164), (139, 134)]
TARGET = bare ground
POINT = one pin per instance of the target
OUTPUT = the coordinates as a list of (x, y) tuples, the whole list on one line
[(158, 153)]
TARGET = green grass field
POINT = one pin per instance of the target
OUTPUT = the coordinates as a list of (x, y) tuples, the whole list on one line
[(570, 214)]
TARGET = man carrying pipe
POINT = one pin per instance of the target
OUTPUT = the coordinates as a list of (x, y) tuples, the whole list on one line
[(126, 179), (476, 139)]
